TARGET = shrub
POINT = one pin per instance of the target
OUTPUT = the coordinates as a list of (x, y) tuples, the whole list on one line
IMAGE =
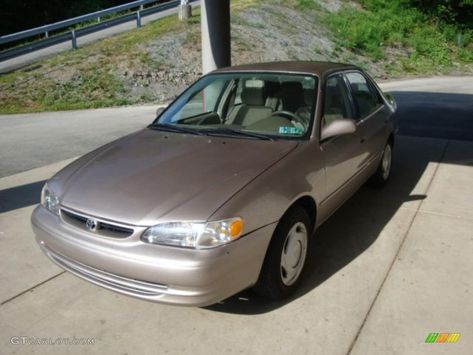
[(388, 23)]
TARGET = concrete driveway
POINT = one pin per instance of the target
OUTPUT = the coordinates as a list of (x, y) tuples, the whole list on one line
[(388, 268)]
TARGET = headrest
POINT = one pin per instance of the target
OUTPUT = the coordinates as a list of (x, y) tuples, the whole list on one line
[(292, 95), (253, 96), (272, 88), (291, 88)]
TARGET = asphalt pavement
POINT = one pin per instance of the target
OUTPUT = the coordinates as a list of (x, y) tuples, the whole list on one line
[(26, 59), (29, 141), (438, 107), (387, 269)]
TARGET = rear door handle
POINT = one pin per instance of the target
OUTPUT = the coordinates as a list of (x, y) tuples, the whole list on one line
[(362, 140)]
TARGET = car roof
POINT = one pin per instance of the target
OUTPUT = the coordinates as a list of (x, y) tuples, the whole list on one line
[(300, 67)]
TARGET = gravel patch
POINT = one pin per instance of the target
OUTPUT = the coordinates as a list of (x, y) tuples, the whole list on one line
[(269, 32)]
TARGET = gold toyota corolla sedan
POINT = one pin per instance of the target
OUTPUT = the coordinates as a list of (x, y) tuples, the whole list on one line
[(225, 189)]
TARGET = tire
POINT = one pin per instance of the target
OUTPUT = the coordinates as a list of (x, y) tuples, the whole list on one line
[(289, 246), (383, 173)]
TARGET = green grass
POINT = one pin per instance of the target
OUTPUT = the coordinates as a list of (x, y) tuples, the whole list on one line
[(428, 44), (307, 5)]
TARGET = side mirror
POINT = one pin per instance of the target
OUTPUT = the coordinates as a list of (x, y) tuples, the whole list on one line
[(159, 111), (338, 128)]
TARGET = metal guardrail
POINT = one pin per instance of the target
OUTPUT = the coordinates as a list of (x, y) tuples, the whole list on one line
[(73, 34)]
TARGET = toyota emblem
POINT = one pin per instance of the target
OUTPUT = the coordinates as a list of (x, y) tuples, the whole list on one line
[(91, 224)]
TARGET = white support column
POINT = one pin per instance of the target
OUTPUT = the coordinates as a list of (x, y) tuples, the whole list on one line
[(215, 24), (185, 10)]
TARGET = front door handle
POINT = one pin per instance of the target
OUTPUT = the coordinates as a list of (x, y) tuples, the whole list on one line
[(362, 140)]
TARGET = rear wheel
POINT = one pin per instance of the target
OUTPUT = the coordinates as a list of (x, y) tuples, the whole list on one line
[(286, 256), (382, 174)]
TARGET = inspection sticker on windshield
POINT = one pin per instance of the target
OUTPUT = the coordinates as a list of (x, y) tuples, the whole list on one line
[(290, 130)]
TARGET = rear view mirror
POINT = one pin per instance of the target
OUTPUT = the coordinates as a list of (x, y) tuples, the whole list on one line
[(338, 128)]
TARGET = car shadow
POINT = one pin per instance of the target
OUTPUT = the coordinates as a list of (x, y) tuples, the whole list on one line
[(359, 222), (436, 115), (20, 196)]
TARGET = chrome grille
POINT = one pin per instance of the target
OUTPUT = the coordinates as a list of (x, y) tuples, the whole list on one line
[(104, 228)]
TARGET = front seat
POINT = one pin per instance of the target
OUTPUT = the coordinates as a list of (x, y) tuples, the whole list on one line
[(273, 97), (293, 100), (292, 96), (251, 110)]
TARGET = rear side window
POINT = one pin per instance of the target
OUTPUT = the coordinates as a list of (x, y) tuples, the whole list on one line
[(365, 96)]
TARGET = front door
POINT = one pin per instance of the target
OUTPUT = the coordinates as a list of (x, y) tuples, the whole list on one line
[(342, 154)]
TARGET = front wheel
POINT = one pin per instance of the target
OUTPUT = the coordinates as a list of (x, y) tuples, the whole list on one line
[(286, 256), (382, 174)]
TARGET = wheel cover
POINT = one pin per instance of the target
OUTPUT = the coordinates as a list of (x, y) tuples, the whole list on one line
[(293, 254), (386, 162)]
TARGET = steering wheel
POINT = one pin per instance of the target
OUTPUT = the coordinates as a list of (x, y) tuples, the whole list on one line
[(289, 114)]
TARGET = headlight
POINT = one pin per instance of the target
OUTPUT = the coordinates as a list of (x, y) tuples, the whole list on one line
[(50, 200), (198, 235)]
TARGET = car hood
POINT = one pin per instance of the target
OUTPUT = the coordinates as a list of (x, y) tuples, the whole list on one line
[(152, 175)]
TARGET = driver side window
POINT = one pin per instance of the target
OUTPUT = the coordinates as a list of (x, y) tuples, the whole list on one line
[(336, 102)]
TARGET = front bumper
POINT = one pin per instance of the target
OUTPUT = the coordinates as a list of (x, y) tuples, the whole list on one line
[(152, 272)]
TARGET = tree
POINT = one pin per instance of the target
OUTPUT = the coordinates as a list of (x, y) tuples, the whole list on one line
[(451, 11)]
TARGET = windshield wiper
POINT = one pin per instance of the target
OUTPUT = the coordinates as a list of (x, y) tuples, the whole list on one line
[(174, 128), (214, 131), (237, 132)]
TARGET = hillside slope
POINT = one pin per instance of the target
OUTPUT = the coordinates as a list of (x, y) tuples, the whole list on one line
[(154, 63)]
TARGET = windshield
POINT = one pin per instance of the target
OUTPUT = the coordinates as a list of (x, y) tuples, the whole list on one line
[(248, 105)]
